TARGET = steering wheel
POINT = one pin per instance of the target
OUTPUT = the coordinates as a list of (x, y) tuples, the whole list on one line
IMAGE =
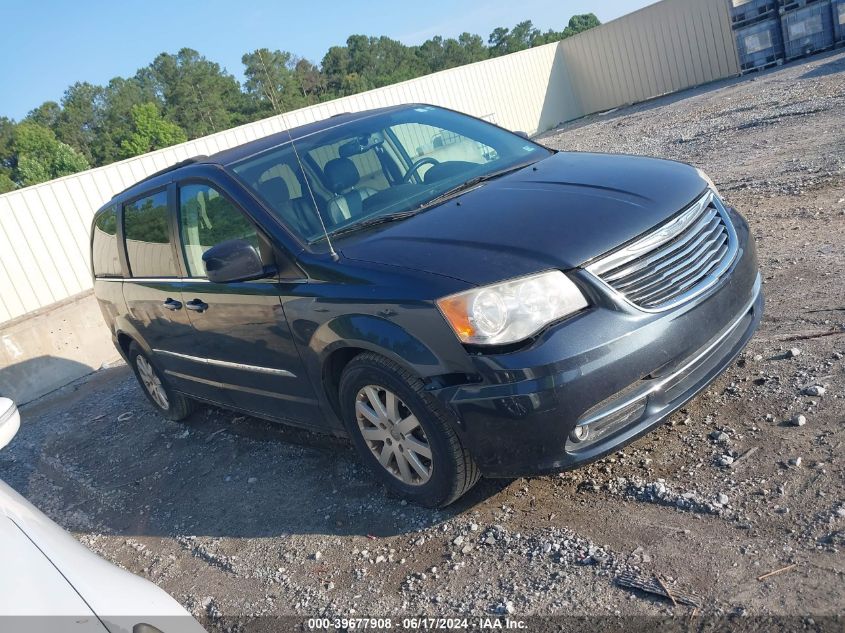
[(414, 167)]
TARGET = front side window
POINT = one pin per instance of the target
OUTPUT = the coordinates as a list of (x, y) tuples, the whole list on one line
[(386, 164), (206, 219), (148, 237), (104, 245)]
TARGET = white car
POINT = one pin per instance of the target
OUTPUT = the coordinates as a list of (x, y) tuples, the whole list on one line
[(51, 582)]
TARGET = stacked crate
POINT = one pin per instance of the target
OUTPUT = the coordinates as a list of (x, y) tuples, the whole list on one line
[(769, 32), (759, 38), (838, 7), (807, 27)]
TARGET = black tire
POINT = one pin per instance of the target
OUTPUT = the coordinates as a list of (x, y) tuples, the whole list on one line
[(452, 470), (178, 406)]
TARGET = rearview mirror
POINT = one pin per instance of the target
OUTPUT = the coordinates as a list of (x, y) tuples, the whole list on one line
[(234, 260), (10, 421), (521, 133)]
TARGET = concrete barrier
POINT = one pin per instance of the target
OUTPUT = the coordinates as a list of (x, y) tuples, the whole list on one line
[(52, 347)]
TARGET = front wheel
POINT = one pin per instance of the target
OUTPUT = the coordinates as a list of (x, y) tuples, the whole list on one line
[(403, 433), (172, 405)]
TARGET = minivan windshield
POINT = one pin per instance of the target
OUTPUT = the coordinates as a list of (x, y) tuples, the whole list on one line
[(380, 168)]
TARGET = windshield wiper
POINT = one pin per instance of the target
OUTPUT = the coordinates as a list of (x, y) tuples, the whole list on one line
[(469, 184), (443, 197), (382, 219)]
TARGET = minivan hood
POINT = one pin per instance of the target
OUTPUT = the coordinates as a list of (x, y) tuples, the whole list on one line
[(558, 213)]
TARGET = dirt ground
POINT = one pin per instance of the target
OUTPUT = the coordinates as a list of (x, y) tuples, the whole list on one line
[(235, 517)]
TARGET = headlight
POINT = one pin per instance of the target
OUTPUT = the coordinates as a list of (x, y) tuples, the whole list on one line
[(708, 180), (512, 310)]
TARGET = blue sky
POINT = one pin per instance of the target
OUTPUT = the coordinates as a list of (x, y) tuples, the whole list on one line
[(47, 45)]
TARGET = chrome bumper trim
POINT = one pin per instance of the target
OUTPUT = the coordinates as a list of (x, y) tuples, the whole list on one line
[(658, 385)]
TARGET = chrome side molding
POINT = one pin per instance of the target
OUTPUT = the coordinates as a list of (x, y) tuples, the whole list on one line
[(229, 365)]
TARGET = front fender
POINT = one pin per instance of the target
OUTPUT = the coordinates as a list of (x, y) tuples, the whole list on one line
[(378, 335)]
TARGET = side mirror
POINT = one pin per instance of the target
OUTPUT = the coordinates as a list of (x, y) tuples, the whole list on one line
[(10, 421), (234, 260), (521, 133)]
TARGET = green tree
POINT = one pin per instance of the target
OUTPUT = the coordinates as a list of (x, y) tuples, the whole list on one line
[(40, 156), (197, 94), (579, 23), (271, 80), (6, 183), (504, 41), (80, 120), (47, 114), (150, 131), (8, 159), (119, 98), (310, 80)]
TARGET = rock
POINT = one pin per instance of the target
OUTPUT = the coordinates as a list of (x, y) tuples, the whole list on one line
[(459, 540), (504, 607), (473, 527), (317, 555), (840, 512), (792, 353), (380, 559), (795, 461), (722, 498), (815, 390), (252, 480), (720, 436), (725, 461), (758, 358), (798, 420)]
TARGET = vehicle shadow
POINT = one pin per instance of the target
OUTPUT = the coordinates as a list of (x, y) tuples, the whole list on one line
[(96, 457), (25, 380)]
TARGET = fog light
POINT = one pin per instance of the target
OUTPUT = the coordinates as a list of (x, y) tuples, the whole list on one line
[(579, 433)]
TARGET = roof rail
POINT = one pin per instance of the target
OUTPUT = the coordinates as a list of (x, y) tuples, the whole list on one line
[(175, 166)]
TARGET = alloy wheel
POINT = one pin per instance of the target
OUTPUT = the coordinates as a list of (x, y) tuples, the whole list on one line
[(151, 382), (394, 435)]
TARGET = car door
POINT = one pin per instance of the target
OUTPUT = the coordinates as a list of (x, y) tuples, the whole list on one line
[(241, 332), (153, 289)]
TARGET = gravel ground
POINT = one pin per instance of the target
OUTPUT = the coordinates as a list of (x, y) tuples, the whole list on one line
[(235, 517)]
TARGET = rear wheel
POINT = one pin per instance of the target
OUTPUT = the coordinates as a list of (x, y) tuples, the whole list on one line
[(403, 433), (172, 405)]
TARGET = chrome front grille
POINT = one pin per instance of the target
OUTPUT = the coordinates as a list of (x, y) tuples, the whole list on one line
[(674, 263)]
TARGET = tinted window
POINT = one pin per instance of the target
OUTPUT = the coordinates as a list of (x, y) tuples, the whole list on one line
[(104, 246), (147, 237), (208, 218), (387, 163)]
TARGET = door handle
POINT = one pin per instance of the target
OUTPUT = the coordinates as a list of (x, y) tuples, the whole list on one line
[(197, 305), (172, 304)]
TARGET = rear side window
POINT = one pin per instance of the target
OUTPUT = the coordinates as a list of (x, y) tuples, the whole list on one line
[(148, 237), (208, 218), (104, 245)]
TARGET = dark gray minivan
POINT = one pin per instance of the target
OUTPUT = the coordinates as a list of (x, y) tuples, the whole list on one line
[(457, 299)]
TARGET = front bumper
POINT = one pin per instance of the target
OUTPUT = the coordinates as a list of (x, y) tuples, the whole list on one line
[(612, 365)]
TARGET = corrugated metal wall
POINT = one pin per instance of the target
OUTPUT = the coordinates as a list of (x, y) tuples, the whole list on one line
[(674, 44), (662, 48)]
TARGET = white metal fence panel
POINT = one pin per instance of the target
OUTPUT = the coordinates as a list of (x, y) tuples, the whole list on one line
[(662, 48)]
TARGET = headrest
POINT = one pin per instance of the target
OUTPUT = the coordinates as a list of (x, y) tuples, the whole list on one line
[(341, 174), (275, 190)]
